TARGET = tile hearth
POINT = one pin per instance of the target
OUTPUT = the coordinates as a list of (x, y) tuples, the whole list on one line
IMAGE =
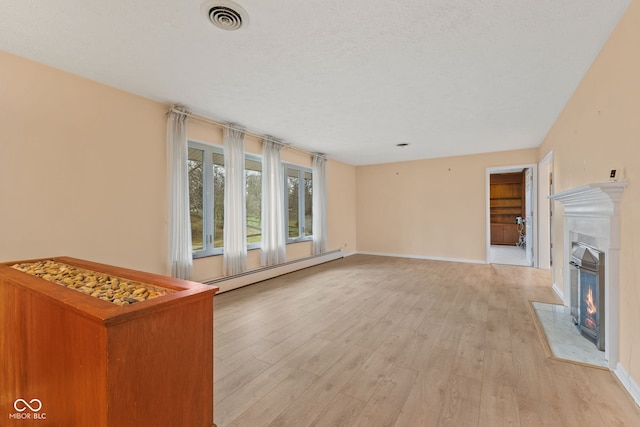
[(563, 338)]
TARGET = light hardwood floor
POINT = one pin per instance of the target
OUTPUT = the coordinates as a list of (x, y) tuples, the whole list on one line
[(377, 341)]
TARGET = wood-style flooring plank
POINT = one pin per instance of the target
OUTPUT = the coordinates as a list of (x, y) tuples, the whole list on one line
[(306, 408), (615, 407), (498, 401), (290, 328), (231, 405), (416, 348), (418, 312), (366, 378), (337, 347), (425, 401), (227, 384), (461, 404), (267, 408), (498, 333), (383, 408), (342, 411), (224, 367), (291, 344), (370, 340), (470, 352)]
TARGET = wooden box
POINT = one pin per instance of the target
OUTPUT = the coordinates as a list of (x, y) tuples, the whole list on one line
[(70, 359)]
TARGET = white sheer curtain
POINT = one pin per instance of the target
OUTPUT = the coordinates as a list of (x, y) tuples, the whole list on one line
[(273, 232), (179, 250), (235, 208), (319, 204)]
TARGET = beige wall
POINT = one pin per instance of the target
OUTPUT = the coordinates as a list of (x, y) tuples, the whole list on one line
[(341, 206), (599, 130), (83, 174), (429, 208), (82, 169)]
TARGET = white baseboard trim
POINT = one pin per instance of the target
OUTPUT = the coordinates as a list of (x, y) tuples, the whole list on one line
[(628, 382), (471, 261), (264, 273)]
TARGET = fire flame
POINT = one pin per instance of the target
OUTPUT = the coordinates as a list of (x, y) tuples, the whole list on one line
[(591, 307), (591, 310)]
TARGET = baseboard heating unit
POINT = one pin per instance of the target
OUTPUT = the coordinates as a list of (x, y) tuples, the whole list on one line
[(265, 273)]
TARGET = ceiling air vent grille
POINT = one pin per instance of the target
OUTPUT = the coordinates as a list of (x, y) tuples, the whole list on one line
[(225, 14)]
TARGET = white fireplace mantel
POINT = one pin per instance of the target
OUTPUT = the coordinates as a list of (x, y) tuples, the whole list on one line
[(597, 199), (593, 210)]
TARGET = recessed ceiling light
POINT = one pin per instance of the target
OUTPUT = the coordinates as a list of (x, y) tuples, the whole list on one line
[(225, 14), (402, 144)]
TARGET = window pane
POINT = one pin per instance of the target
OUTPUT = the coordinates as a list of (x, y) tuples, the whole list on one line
[(195, 171), (292, 199), (218, 200), (253, 182), (308, 204)]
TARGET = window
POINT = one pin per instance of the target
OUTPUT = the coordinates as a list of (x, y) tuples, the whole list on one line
[(196, 208), (253, 183), (298, 202), (217, 200), (206, 198)]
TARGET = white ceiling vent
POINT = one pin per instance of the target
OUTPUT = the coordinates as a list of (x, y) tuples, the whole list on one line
[(225, 14)]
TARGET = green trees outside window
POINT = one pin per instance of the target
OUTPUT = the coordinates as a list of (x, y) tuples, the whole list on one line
[(206, 199)]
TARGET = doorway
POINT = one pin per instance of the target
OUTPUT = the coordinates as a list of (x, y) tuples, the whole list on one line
[(511, 215)]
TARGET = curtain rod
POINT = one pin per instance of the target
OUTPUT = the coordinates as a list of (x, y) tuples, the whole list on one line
[(246, 131)]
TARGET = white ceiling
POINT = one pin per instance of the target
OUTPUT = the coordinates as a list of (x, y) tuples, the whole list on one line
[(350, 78)]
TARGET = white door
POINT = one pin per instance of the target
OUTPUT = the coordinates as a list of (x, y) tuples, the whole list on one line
[(529, 215)]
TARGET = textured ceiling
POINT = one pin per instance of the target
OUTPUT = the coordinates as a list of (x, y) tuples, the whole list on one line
[(350, 78)]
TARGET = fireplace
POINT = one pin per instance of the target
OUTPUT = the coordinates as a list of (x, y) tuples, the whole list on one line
[(592, 217), (587, 292)]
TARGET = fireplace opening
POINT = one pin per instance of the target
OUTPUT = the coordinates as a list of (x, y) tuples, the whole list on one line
[(587, 292)]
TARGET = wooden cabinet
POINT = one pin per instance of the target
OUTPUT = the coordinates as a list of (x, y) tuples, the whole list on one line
[(504, 234), (506, 203), (69, 359)]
